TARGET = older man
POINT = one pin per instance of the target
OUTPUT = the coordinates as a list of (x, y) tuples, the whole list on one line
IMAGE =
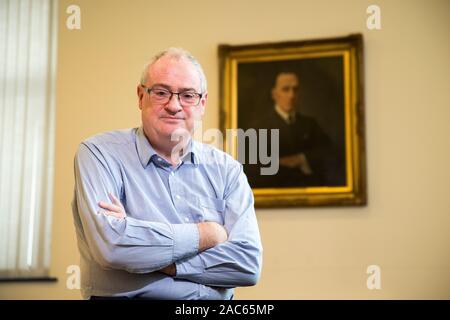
[(157, 214)]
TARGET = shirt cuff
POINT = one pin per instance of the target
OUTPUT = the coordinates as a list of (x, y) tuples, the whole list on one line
[(189, 267), (185, 240)]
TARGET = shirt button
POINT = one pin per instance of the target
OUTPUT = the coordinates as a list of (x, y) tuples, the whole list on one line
[(178, 197), (172, 173), (186, 219)]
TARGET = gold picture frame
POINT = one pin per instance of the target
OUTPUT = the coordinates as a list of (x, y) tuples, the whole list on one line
[(330, 90)]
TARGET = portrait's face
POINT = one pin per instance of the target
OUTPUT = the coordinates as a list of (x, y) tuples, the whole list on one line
[(177, 75), (285, 92)]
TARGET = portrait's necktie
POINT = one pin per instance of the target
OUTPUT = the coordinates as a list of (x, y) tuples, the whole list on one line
[(291, 119)]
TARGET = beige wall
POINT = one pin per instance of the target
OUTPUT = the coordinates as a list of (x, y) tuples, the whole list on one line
[(309, 253)]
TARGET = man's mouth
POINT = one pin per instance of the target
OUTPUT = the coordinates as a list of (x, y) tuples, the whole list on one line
[(172, 118)]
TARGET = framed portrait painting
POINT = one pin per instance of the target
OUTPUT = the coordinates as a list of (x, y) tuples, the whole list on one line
[(296, 113)]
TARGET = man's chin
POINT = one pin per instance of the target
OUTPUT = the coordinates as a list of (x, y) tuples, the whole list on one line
[(175, 132), (287, 109)]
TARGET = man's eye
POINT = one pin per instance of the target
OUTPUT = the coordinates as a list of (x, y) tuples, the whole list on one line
[(161, 93), (188, 95)]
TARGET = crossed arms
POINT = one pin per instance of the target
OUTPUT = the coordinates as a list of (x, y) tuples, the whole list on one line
[(205, 253), (211, 233)]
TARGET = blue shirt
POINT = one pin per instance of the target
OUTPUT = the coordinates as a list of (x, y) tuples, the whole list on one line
[(121, 257)]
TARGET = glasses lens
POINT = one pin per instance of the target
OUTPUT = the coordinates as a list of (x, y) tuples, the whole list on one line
[(160, 95), (189, 98)]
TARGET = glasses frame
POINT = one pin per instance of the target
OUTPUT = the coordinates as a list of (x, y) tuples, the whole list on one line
[(149, 90)]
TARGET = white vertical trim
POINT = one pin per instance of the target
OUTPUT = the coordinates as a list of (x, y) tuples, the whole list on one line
[(27, 106), (51, 111), (32, 209)]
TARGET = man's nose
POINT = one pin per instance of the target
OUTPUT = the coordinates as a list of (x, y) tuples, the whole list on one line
[(292, 93), (173, 105)]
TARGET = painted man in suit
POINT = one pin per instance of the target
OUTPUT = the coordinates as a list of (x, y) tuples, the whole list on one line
[(304, 147)]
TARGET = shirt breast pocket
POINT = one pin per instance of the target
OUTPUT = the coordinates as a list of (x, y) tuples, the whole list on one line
[(211, 209)]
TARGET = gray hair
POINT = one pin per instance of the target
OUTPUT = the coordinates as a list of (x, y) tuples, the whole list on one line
[(176, 53)]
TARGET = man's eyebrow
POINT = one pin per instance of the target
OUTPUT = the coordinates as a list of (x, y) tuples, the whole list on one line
[(187, 89), (165, 86), (161, 85)]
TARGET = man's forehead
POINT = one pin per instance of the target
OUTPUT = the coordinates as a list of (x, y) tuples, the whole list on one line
[(173, 66), (167, 60), (286, 79)]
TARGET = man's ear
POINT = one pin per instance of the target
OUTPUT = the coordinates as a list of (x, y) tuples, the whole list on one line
[(203, 103), (140, 94), (273, 94)]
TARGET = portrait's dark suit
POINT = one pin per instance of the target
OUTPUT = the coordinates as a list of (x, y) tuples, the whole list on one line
[(305, 136)]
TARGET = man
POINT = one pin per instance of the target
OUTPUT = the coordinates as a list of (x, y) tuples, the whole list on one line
[(157, 214), (303, 145)]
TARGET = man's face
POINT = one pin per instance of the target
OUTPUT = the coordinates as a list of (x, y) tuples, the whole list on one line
[(176, 75), (285, 91)]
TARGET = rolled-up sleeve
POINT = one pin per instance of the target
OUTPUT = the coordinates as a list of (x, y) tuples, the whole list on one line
[(238, 261), (137, 246)]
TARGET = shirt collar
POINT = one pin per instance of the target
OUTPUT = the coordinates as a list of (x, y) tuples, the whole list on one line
[(283, 114), (190, 156), (146, 151)]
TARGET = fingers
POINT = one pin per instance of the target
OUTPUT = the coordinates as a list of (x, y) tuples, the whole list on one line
[(114, 214), (284, 162), (115, 200), (114, 209), (110, 207), (287, 163)]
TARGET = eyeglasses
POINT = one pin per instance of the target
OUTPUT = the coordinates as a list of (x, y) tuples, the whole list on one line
[(186, 98)]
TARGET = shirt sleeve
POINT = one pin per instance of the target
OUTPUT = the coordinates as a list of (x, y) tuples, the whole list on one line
[(238, 261), (136, 246)]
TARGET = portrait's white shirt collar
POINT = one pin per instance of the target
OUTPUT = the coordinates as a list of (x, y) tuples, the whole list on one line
[(284, 115)]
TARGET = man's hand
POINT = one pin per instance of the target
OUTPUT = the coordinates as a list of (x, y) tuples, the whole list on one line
[(170, 270), (297, 161), (115, 209), (211, 234)]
